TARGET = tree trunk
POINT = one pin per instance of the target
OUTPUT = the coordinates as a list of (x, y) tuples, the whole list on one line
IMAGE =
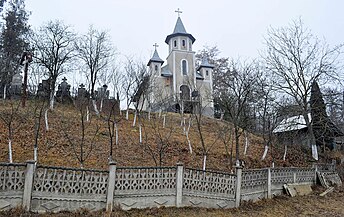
[(285, 152), (246, 143), (35, 153), (237, 148), (164, 121), (265, 152), (5, 89), (134, 120), (52, 100), (204, 161), (140, 129), (46, 120), (10, 151), (127, 113), (94, 103), (87, 114)]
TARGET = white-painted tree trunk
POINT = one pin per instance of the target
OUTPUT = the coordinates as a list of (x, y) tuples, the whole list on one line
[(140, 129), (160, 113), (285, 152), (265, 152), (101, 105), (94, 103), (35, 154), (10, 151), (221, 117), (127, 114), (273, 165), (187, 136), (184, 125), (46, 120), (164, 121), (315, 152), (116, 134), (5, 90), (149, 114), (134, 120), (52, 100), (246, 143), (87, 114), (204, 161)]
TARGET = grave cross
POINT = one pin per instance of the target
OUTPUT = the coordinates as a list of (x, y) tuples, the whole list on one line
[(179, 12)]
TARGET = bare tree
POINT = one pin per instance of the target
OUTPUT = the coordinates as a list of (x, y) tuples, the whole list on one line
[(295, 58), (53, 45), (11, 118), (234, 93), (83, 141), (95, 50)]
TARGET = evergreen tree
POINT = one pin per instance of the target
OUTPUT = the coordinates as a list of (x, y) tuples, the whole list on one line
[(13, 40), (323, 128)]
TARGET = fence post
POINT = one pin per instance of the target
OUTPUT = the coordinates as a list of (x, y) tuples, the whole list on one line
[(238, 186), (29, 174), (269, 183), (179, 184), (294, 175), (334, 163), (315, 173), (111, 186)]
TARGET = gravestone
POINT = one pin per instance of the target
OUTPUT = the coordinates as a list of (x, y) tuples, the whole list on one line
[(63, 92), (16, 85), (43, 89), (82, 92), (102, 92)]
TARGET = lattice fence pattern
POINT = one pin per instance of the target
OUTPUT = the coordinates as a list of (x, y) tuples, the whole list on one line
[(282, 175), (205, 182), (12, 177), (253, 179), (145, 179), (305, 175), (70, 181), (326, 167)]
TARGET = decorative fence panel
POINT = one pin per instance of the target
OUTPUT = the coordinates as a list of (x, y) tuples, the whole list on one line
[(145, 187), (44, 188), (254, 184), (208, 189), (56, 188), (12, 179)]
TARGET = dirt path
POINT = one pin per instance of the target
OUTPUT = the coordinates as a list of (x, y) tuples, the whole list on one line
[(311, 205)]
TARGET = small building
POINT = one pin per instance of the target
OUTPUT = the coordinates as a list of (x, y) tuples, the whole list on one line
[(294, 131)]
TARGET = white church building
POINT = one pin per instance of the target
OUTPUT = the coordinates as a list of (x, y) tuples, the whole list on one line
[(178, 85)]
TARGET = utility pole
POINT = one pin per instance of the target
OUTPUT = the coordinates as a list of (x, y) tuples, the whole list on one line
[(25, 60)]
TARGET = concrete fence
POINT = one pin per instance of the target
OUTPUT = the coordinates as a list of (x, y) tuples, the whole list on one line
[(46, 188)]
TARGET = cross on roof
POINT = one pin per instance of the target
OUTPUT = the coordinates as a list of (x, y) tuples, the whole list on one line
[(155, 45), (64, 79), (179, 12)]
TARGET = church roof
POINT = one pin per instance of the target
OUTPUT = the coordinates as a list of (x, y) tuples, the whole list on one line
[(179, 30), (165, 72), (205, 64), (155, 58), (199, 76)]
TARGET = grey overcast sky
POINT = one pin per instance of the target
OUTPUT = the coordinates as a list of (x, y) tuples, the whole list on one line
[(236, 27)]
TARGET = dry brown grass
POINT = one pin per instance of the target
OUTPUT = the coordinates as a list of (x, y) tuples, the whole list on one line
[(54, 148)]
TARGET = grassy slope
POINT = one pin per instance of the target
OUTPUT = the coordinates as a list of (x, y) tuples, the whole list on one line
[(54, 148)]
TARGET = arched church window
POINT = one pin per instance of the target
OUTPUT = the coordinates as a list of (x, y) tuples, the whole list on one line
[(184, 43), (184, 67), (206, 72), (184, 92), (156, 68), (175, 43)]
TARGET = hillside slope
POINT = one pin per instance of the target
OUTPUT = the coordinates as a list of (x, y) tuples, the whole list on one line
[(55, 145)]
